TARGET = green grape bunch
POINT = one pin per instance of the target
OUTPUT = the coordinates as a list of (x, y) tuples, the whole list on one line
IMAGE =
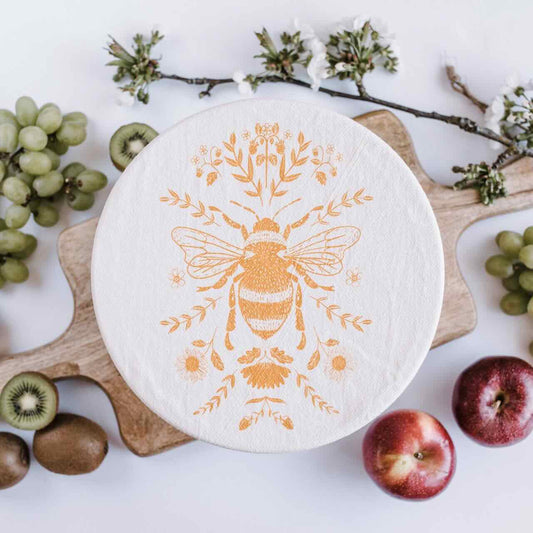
[(514, 266), (32, 141)]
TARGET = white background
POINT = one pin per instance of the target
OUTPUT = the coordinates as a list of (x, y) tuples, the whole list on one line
[(53, 51)]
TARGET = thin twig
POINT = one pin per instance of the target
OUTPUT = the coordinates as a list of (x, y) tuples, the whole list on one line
[(459, 86), (463, 123)]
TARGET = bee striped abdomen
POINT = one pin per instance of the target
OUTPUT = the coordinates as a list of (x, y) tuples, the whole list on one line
[(265, 307)]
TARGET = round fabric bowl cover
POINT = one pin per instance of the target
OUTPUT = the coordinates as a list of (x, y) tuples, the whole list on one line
[(267, 276)]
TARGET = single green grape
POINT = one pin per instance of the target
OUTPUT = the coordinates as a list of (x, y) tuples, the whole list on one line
[(497, 238), (56, 160), (526, 280), (514, 303), (6, 117), (71, 133), (33, 138), (36, 163), (80, 201), (2, 281), (11, 240), (48, 184), (530, 306), (3, 170), (526, 255), (17, 216), (531, 348), (26, 111), (91, 181), (45, 214), (3, 224), (528, 236), (15, 190), (31, 245), (510, 243), (49, 118), (26, 178), (56, 146), (8, 138), (499, 266), (72, 170), (14, 270), (77, 117), (512, 284)]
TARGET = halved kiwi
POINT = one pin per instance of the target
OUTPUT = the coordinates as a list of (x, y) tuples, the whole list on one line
[(29, 401), (128, 141)]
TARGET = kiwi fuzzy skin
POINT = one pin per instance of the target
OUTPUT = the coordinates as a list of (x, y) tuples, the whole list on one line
[(70, 445), (14, 460)]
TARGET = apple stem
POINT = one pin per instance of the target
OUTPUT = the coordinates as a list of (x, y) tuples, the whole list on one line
[(496, 404), (419, 456)]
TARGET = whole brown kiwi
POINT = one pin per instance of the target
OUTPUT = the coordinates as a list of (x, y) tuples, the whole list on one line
[(70, 445), (14, 460)]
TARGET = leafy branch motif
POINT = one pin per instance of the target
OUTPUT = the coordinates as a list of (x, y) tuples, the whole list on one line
[(209, 158), (302, 381), (216, 360), (334, 209), (266, 410), (322, 159), (320, 347), (187, 319), (345, 319), (246, 175), (185, 202), (285, 174), (216, 399)]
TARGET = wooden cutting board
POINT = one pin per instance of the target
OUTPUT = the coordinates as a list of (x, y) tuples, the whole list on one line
[(80, 351)]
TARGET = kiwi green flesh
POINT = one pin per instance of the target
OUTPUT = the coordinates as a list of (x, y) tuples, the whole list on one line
[(29, 401), (128, 141), (14, 460), (70, 445)]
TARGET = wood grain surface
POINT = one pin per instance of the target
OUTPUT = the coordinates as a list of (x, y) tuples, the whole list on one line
[(80, 351)]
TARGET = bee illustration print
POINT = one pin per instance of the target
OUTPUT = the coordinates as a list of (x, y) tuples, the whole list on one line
[(265, 273)]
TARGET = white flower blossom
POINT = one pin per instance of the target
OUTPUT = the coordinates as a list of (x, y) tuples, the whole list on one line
[(386, 37), (340, 67), (125, 99), (511, 82), (494, 114), (245, 87), (359, 22), (318, 68), (306, 31)]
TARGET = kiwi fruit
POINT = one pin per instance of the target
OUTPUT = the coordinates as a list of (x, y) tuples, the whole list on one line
[(29, 401), (70, 445), (128, 141), (14, 460)]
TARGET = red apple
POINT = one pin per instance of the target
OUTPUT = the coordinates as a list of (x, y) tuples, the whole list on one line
[(409, 454), (493, 400)]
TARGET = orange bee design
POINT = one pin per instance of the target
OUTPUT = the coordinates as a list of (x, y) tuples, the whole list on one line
[(266, 271)]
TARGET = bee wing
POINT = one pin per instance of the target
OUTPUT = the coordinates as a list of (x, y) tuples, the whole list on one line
[(206, 256), (323, 253)]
